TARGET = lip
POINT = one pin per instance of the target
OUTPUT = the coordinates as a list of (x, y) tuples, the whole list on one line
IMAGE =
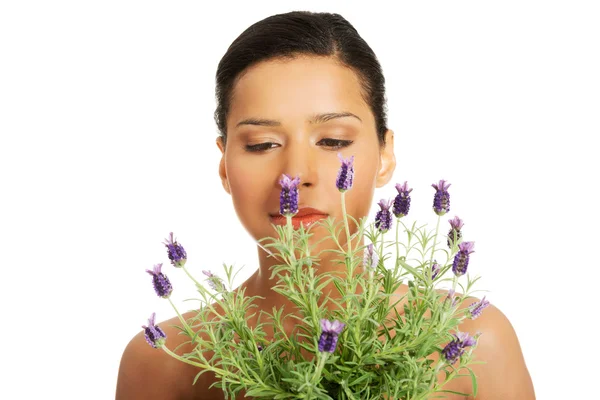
[(305, 216)]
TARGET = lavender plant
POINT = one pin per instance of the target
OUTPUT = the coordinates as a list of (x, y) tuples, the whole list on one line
[(358, 334)]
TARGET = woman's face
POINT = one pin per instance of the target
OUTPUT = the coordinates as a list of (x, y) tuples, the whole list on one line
[(274, 128)]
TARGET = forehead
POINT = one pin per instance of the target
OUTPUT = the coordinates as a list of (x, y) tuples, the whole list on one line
[(293, 90)]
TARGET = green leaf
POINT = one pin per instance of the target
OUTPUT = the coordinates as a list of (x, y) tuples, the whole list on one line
[(412, 270), (473, 381), (453, 392), (360, 379)]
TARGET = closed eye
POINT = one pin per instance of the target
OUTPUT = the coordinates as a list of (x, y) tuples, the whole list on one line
[(257, 148), (335, 143)]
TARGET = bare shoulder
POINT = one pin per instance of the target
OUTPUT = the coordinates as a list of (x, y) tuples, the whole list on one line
[(149, 373), (503, 374)]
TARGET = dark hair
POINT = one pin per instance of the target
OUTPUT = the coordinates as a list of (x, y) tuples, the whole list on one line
[(285, 36)]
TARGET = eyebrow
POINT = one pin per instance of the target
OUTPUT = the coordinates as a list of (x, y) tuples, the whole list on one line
[(315, 119)]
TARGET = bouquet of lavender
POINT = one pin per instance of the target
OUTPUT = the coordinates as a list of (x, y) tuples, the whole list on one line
[(370, 340)]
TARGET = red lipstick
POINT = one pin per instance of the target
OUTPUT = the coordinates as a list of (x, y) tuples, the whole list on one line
[(305, 216)]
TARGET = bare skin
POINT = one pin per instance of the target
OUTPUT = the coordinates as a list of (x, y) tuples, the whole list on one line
[(290, 94)]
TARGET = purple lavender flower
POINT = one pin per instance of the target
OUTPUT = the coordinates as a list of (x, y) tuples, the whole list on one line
[(288, 197), (162, 285), (435, 269), (452, 297), (345, 174), (154, 335), (176, 252), (441, 200), (456, 347), (383, 218), (402, 200), (455, 226), (214, 281), (461, 259), (208, 273), (370, 259), (329, 335), (476, 308)]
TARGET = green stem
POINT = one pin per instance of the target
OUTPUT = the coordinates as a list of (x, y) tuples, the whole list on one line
[(290, 231), (348, 259), (436, 387), (397, 249), (437, 228), (320, 365), (199, 365), (381, 249), (183, 321), (185, 360), (219, 371), (191, 277), (346, 223)]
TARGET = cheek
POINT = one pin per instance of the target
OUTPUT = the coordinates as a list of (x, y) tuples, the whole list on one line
[(250, 192), (246, 186), (361, 194)]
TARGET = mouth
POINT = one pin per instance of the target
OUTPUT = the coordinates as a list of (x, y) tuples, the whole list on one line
[(306, 216)]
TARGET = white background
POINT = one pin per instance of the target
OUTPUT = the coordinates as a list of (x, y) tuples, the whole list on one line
[(107, 144)]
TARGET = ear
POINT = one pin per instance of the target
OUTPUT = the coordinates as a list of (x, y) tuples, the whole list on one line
[(387, 160), (222, 169)]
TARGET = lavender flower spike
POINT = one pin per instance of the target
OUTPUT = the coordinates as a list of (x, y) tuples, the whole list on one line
[(176, 252), (371, 259), (451, 297), (456, 347), (476, 308), (214, 281), (154, 335), (402, 200), (441, 200), (329, 335), (455, 226), (162, 285), (383, 218), (461, 259), (435, 269), (288, 198), (345, 174)]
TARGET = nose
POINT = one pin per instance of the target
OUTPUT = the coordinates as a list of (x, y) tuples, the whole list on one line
[(300, 160)]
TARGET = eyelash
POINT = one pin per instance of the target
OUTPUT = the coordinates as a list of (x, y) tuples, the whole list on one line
[(333, 143)]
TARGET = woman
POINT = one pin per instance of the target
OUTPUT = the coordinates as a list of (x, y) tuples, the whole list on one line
[(293, 91)]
